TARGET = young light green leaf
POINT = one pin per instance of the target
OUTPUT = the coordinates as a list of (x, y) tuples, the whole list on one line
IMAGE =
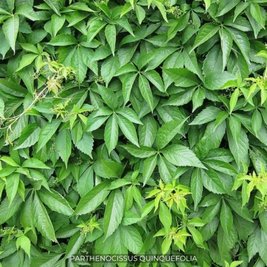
[(165, 216), (24, 243)]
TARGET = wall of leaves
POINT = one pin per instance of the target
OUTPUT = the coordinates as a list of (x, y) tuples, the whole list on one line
[(135, 126)]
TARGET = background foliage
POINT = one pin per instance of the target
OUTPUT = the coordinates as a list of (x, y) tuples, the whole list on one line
[(133, 126)]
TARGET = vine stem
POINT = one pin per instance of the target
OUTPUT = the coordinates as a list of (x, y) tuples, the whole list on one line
[(14, 119)]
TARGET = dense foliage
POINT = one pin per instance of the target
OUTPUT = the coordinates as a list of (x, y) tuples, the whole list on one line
[(135, 126)]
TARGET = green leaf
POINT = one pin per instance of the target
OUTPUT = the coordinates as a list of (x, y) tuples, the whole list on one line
[(197, 237), (165, 216), (26, 60), (92, 199), (129, 114), (166, 244), (9, 161), (253, 243), (147, 131), (63, 145), (168, 131), (95, 27), (2, 108), (111, 133), (127, 85), (242, 41), (78, 63), (181, 156), (225, 6), (55, 201), (63, 40), (226, 45), (256, 121), (74, 244), (57, 23), (11, 29), (12, 183), (207, 31), (182, 77), (233, 99), (47, 132), (239, 148), (206, 115), (25, 243), (155, 79), (140, 13), (30, 138), (207, 3), (226, 218), (263, 220), (7, 211), (34, 163), (131, 239), (216, 81), (108, 168), (148, 168), (196, 186), (161, 8), (42, 220), (140, 152), (110, 33), (212, 182), (145, 91), (257, 14), (113, 212), (54, 5), (85, 144), (128, 130)]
